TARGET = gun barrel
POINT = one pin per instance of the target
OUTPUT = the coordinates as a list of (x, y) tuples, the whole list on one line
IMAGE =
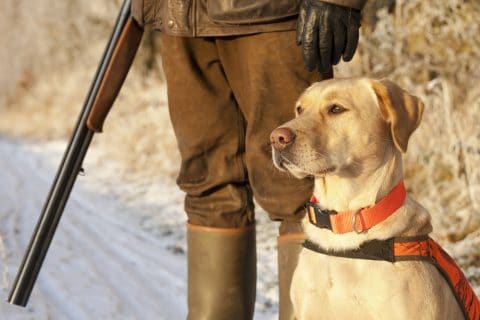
[(68, 171)]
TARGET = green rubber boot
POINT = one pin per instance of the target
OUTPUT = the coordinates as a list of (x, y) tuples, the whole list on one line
[(221, 273)]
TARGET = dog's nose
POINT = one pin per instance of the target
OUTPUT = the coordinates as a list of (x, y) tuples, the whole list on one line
[(280, 138)]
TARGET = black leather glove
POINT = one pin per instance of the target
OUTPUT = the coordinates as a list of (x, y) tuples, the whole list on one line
[(326, 32)]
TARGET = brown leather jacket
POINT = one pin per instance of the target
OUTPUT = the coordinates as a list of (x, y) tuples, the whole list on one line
[(200, 18)]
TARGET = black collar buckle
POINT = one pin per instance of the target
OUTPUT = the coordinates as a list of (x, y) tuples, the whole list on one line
[(318, 216)]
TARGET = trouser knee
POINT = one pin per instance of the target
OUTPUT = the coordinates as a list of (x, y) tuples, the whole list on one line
[(229, 206)]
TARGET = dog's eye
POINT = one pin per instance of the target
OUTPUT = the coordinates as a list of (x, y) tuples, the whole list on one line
[(299, 110), (336, 109)]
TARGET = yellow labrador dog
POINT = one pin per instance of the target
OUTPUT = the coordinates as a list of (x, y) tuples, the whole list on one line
[(349, 135)]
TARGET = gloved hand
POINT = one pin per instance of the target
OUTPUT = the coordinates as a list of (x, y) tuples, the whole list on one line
[(326, 32)]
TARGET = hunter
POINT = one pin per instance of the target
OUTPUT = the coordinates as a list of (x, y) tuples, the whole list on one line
[(234, 70)]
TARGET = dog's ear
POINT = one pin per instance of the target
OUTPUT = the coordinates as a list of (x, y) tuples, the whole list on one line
[(400, 109)]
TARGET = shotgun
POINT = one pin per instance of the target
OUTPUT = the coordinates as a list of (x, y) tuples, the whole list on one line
[(107, 82)]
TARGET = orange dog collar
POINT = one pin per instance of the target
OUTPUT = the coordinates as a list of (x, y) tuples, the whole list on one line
[(359, 220)]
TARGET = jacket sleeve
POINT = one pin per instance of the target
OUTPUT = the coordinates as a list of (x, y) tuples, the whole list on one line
[(354, 4)]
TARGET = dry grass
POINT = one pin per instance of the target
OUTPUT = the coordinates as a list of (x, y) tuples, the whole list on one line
[(431, 48), (47, 69)]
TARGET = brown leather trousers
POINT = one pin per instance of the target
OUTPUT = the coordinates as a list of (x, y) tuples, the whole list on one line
[(226, 94)]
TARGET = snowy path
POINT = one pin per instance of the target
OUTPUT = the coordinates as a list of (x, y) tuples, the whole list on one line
[(119, 250), (101, 265)]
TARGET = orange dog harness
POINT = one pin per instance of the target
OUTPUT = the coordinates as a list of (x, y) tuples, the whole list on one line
[(395, 249), (416, 248)]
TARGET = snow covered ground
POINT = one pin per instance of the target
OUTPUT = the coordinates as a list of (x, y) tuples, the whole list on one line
[(119, 250)]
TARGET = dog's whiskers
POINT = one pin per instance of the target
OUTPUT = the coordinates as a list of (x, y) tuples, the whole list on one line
[(318, 153)]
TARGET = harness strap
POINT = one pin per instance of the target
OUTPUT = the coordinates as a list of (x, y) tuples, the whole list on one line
[(415, 248)]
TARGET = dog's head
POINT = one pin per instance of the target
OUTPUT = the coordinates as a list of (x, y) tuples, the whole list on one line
[(345, 126)]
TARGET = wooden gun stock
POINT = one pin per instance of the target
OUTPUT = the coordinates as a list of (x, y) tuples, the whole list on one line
[(111, 73), (115, 74)]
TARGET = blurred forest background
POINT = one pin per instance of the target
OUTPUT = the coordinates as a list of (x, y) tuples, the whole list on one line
[(50, 50)]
